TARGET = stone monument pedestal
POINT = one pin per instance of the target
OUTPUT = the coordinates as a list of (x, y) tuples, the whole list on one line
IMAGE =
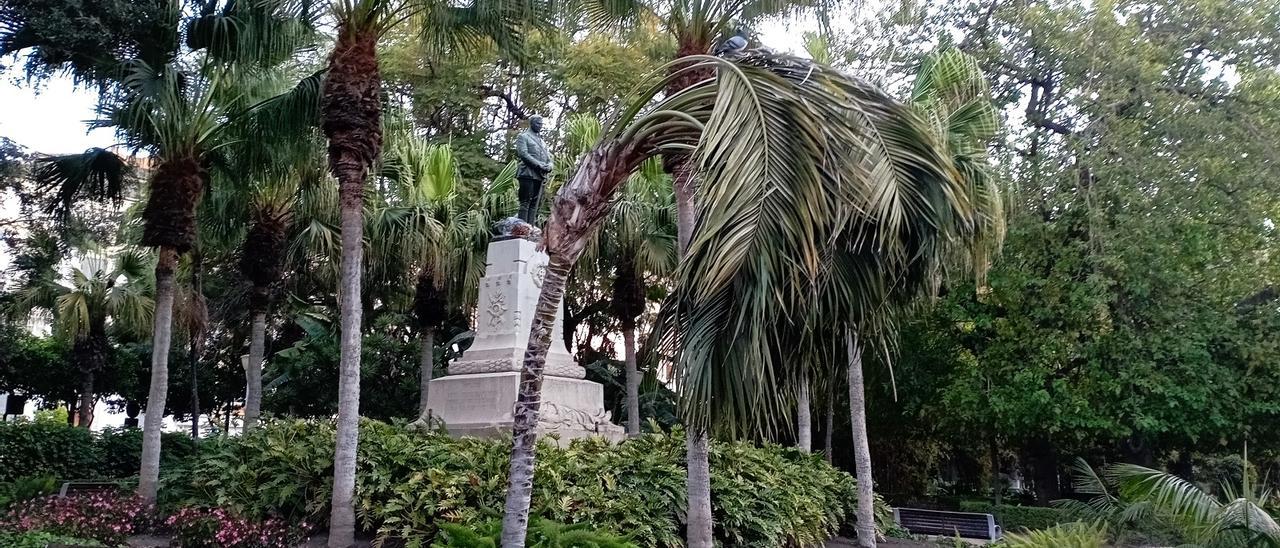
[(478, 395)]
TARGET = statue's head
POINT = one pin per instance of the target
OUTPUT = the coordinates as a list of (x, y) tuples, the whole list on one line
[(535, 123)]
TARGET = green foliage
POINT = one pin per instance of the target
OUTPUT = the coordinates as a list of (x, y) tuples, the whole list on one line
[(42, 448), (1020, 518), (41, 539), (542, 534), (1066, 535), (52, 448), (408, 485), (26, 488), (121, 451)]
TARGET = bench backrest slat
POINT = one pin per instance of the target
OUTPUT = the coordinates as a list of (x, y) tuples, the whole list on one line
[(938, 522)]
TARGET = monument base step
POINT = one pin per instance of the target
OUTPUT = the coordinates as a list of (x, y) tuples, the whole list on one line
[(481, 405)]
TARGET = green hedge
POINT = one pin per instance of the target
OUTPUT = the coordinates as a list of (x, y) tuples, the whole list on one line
[(1014, 518), (31, 449), (407, 484)]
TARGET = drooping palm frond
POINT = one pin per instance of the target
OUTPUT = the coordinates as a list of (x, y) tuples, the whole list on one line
[(848, 198), (261, 33), (1241, 521), (96, 174)]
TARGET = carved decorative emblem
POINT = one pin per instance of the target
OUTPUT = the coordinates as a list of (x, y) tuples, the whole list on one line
[(497, 309), (539, 274)]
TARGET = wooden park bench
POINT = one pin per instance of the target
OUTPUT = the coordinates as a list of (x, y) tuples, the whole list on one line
[(85, 486), (947, 524)]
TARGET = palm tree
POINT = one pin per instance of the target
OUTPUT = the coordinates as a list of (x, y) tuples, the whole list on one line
[(262, 263), (176, 107), (442, 233), (1127, 493), (768, 128), (813, 263), (98, 296), (351, 119)]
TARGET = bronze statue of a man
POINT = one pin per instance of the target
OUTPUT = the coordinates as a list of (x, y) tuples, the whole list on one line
[(535, 165)]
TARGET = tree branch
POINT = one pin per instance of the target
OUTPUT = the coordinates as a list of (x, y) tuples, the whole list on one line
[(512, 106)]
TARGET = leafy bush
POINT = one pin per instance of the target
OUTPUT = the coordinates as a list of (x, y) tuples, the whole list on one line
[(1067, 535), (121, 451), (541, 534), (1020, 518), (108, 517), (218, 528), (50, 448), (408, 484), (44, 448), (41, 539), (26, 488)]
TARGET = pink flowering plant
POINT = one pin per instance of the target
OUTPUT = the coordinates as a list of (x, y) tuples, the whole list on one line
[(219, 528), (108, 517)]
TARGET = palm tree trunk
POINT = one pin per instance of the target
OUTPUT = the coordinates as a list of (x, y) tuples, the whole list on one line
[(515, 521), (426, 369), (196, 338), (633, 380), (342, 520), (804, 427), (149, 475), (686, 206), (253, 370), (831, 422), (698, 449), (579, 208), (193, 362), (86, 398), (351, 112), (861, 449)]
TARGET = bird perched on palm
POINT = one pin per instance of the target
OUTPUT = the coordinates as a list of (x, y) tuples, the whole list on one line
[(734, 45)]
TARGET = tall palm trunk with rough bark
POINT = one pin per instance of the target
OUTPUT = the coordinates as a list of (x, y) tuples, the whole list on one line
[(515, 522), (804, 428), (633, 379), (430, 306), (149, 476), (351, 118), (579, 208), (90, 353), (195, 336), (253, 370), (169, 224), (682, 172), (262, 263), (86, 399), (861, 449), (425, 370), (831, 422), (627, 304)]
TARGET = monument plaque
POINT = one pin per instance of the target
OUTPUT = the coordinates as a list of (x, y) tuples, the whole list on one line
[(477, 396)]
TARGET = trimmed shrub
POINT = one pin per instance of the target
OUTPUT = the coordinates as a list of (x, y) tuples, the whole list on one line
[(1014, 518), (408, 484), (121, 451), (46, 449)]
